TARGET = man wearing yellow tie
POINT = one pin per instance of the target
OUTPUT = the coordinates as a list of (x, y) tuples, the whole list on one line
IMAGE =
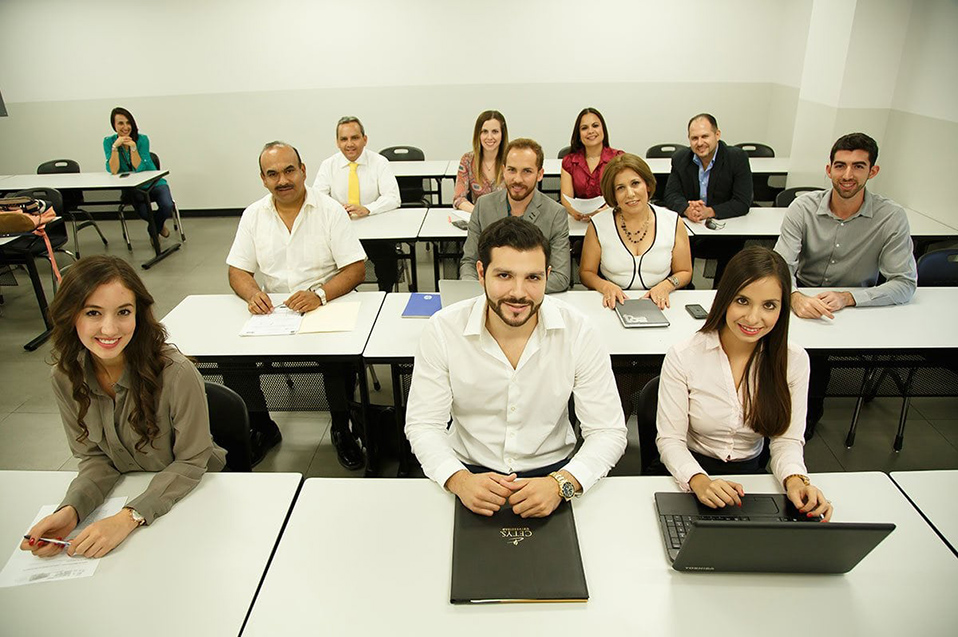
[(364, 183)]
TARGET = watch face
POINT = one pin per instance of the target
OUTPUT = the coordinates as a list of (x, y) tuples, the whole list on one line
[(568, 490)]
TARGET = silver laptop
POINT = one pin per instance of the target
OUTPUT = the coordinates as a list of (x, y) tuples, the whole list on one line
[(640, 313), (454, 290)]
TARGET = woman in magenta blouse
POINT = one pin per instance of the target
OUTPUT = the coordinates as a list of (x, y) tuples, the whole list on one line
[(582, 167), (480, 170)]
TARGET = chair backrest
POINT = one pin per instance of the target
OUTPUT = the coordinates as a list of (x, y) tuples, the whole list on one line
[(754, 149), (403, 153), (229, 425), (156, 160), (563, 152), (646, 408), (663, 151), (785, 198), (58, 166), (411, 190), (72, 199), (939, 267), (57, 232)]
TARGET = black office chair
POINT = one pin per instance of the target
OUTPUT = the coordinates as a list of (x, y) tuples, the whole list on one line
[(57, 233), (785, 198), (761, 190), (131, 195), (754, 149), (411, 191), (646, 408), (229, 425), (663, 151), (72, 200), (935, 269), (563, 152)]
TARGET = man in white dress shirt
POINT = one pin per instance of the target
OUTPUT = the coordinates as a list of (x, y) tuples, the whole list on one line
[(364, 183), (302, 244), (504, 366)]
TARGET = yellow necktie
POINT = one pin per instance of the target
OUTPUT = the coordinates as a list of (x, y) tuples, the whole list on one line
[(353, 194)]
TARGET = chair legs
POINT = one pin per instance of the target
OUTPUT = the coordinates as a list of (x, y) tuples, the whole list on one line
[(177, 222), (869, 388), (126, 232)]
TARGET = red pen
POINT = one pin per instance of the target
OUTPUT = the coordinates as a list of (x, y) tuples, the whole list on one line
[(49, 540)]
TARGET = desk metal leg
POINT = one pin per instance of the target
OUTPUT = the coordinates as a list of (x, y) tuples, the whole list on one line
[(41, 301), (369, 430), (155, 239), (435, 262), (400, 403), (414, 286)]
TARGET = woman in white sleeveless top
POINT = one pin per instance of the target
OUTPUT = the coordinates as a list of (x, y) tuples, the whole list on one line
[(634, 244)]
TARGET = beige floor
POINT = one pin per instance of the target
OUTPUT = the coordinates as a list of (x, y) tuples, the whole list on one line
[(31, 436)]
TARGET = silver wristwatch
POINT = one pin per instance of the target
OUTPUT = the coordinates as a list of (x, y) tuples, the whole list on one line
[(566, 488), (674, 280), (321, 293)]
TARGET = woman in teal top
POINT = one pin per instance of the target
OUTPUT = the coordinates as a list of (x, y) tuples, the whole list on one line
[(129, 151)]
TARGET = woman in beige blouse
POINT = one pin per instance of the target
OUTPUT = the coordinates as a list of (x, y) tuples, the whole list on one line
[(735, 382), (128, 402)]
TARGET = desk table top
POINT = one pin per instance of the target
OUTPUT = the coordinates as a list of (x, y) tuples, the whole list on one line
[(401, 561), (933, 492), (81, 181), (399, 224), (197, 567), (209, 325)]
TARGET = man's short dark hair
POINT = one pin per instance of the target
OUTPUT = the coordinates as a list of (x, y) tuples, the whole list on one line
[(512, 232), (708, 116), (856, 141), (524, 143), (350, 119), (278, 144)]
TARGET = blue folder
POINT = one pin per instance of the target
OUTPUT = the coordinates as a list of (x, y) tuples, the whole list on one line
[(422, 305)]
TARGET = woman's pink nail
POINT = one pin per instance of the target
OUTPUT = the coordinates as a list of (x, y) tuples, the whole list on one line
[(32, 541)]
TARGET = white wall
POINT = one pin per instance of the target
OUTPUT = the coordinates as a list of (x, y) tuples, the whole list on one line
[(210, 81)]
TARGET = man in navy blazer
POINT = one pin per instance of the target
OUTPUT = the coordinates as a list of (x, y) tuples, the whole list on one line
[(710, 178)]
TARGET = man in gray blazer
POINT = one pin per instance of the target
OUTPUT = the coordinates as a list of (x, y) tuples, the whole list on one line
[(521, 198)]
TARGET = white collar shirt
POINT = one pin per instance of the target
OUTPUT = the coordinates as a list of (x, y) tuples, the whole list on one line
[(378, 188), (321, 242), (700, 409), (513, 419)]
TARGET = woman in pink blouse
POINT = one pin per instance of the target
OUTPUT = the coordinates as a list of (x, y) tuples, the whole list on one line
[(582, 167), (735, 382), (480, 170)]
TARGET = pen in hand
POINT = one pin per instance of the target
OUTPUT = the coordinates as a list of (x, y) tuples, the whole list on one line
[(49, 540)]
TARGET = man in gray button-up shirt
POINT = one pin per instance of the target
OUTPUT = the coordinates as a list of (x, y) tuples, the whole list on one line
[(845, 236), (521, 198)]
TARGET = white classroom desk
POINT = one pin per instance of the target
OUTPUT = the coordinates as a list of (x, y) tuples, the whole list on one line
[(208, 325), (767, 222), (81, 181), (401, 224), (437, 226), (663, 165), (194, 571), (397, 553), (933, 492), (925, 323)]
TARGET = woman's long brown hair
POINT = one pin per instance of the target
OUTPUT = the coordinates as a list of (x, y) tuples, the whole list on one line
[(768, 405), (144, 356), (484, 117)]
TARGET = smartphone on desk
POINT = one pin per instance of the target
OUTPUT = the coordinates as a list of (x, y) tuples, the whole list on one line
[(124, 175), (696, 311)]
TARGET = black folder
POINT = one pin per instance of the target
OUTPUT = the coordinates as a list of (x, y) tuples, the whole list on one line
[(505, 558)]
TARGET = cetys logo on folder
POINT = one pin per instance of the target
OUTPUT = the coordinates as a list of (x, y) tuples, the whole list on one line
[(634, 320), (515, 534)]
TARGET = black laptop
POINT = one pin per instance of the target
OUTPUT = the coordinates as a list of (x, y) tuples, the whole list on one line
[(767, 534)]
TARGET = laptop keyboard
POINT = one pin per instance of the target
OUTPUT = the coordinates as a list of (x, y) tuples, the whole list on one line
[(678, 525)]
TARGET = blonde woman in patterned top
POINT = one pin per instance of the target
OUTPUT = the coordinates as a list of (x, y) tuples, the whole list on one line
[(480, 170)]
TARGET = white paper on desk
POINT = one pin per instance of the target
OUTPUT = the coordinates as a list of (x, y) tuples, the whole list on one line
[(280, 321), (461, 215), (586, 206), (24, 567), (333, 317)]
